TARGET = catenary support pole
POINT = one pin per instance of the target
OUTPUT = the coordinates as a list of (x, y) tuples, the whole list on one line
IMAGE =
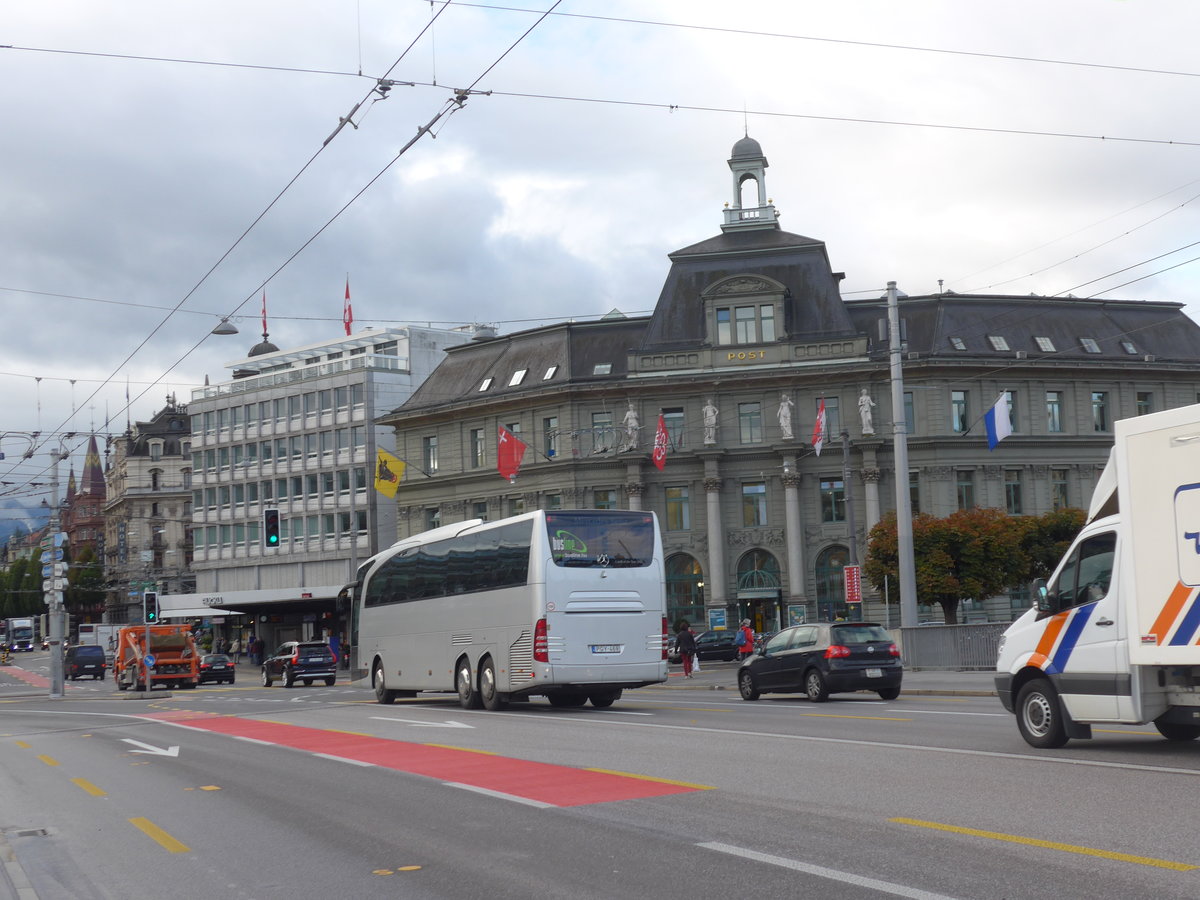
[(904, 534)]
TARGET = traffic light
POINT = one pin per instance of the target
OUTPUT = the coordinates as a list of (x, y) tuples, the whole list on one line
[(151, 599), (270, 528)]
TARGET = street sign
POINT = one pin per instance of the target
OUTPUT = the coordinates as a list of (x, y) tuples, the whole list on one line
[(853, 583), (51, 556), (54, 584), (150, 660), (54, 569), (54, 540)]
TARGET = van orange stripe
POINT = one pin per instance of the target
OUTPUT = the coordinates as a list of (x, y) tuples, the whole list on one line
[(1050, 635), (1170, 612)]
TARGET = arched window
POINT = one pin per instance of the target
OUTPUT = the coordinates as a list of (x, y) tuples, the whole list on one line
[(757, 570), (685, 591), (831, 589)]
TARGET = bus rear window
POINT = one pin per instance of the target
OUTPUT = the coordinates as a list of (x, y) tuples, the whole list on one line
[(598, 540)]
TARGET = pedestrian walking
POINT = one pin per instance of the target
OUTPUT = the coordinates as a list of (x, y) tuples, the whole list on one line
[(235, 649), (685, 643), (745, 641)]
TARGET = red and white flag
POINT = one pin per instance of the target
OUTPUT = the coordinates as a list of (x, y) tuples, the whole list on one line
[(510, 450), (264, 313), (818, 436), (347, 309), (660, 443)]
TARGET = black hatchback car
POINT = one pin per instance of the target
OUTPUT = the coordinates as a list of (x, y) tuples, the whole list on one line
[(85, 659), (217, 667), (823, 659), (300, 661)]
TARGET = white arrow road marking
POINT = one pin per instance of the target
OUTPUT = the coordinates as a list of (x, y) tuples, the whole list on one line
[(420, 724), (150, 748)]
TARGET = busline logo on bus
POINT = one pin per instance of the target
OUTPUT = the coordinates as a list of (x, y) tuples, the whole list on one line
[(565, 544)]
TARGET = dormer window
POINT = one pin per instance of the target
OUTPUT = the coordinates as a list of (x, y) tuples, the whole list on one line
[(602, 369), (998, 342), (550, 372), (1045, 344), (958, 343), (751, 324), (517, 377), (744, 310), (1089, 345), (485, 384), (1129, 348)]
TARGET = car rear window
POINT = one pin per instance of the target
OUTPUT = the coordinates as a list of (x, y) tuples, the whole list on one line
[(89, 651), (858, 634), (307, 650)]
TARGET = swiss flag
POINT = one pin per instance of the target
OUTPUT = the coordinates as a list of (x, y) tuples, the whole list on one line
[(660, 444), (510, 450), (347, 309), (818, 437)]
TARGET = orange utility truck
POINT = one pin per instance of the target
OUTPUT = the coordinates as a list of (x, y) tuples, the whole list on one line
[(173, 657)]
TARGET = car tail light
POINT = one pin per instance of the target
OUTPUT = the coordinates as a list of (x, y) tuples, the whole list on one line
[(333, 657), (666, 637), (893, 650), (836, 651), (541, 642), (296, 657)]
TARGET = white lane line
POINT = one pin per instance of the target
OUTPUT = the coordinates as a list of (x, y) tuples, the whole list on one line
[(353, 762), (951, 712), (500, 795), (887, 887)]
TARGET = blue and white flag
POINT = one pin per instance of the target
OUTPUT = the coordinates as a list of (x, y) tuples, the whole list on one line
[(997, 422)]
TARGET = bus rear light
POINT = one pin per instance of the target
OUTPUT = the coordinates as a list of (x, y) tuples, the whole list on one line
[(541, 642), (665, 637)]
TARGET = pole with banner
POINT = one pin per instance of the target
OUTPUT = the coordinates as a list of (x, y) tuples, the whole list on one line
[(853, 575)]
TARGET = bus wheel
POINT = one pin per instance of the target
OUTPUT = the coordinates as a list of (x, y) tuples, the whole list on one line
[(605, 699), (490, 697), (567, 699), (382, 694), (468, 697)]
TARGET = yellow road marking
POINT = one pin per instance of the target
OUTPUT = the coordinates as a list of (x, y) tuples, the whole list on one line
[(1139, 733), (463, 749), (209, 787), (88, 786), (161, 837), (1051, 845), (48, 760), (354, 733), (23, 745), (699, 787)]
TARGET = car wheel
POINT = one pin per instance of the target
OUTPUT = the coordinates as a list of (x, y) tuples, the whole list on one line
[(814, 686), (1039, 715), (266, 678), (490, 697), (308, 682), (468, 697), (746, 686), (604, 699), (329, 682), (231, 681), (382, 694), (889, 693), (1177, 731), (289, 677)]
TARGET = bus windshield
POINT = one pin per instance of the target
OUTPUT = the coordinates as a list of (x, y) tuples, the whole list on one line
[(581, 539)]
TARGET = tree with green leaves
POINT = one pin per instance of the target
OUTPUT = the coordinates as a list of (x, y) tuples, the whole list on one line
[(969, 554)]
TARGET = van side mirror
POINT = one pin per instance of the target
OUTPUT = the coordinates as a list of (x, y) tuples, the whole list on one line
[(1042, 596)]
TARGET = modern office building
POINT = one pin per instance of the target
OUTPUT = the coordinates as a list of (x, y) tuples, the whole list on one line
[(749, 338), (294, 430)]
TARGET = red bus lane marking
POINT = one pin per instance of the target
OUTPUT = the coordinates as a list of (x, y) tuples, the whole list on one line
[(544, 782)]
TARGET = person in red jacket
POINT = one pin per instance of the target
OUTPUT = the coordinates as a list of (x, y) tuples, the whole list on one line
[(747, 646)]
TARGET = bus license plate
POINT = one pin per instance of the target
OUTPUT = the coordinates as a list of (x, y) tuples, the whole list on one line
[(874, 673), (606, 648)]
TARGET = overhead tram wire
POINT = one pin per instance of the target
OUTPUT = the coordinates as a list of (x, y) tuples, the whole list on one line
[(239, 240), (450, 107)]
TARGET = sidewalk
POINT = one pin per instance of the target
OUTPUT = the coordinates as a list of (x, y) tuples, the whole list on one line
[(720, 676)]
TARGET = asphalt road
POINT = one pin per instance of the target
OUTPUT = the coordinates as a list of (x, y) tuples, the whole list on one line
[(682, 790)]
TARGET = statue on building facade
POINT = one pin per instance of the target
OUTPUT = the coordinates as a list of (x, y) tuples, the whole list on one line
[(785, 416), (865, 405), (633, 426), (710, 422)]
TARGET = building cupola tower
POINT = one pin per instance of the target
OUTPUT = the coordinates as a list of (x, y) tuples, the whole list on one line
[(750, 209)]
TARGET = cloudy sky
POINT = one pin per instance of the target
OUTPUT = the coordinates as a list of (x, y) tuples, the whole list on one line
[(160, 163)]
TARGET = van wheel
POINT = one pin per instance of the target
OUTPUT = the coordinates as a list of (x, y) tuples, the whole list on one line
[(468, 697), (382, 694), (1040, 716), (1177, 731), (605, 699), (814, 686), (488, 694)]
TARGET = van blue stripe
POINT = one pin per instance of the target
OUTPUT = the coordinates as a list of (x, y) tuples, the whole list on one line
[(1069, 639), (1187, 628)]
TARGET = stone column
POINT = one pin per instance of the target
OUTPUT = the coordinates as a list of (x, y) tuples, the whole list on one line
[(634, 491), (793, 531), (870, 477)]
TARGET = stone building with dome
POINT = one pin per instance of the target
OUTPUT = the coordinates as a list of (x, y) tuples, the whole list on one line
[(749, 337)]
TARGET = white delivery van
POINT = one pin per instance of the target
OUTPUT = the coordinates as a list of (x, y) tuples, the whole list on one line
[(1114, 636)]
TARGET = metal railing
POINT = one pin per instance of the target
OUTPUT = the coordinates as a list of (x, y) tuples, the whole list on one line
[(951, 646)]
